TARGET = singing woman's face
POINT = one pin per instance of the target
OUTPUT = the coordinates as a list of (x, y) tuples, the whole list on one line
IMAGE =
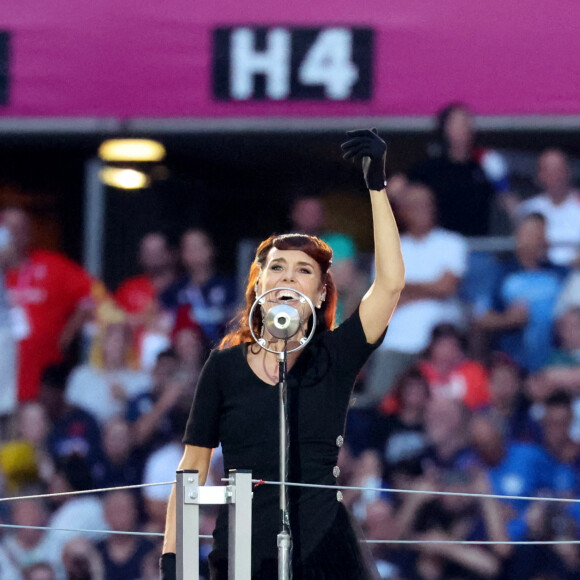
[(291, 269)]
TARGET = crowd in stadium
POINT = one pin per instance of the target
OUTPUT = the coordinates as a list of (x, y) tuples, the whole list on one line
[(475, 389)]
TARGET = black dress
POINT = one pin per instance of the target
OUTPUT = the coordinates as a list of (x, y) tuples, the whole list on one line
[(235, 407)]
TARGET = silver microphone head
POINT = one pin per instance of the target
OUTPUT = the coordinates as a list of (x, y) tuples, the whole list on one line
[(282, 321)]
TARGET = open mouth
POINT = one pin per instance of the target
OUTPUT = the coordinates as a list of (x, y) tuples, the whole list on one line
[(287, 296)]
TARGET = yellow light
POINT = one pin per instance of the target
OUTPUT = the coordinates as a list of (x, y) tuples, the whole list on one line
[(142, 150), (124, 178)]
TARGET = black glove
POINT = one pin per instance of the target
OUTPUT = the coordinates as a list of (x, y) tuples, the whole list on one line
[(167, 566), (365, 144)]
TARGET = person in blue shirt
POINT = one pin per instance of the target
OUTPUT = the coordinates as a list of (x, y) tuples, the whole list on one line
[(210, 295), (521, 309), (513, 468)]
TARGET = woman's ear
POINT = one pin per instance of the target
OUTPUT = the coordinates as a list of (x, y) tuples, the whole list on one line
[(322, 298)]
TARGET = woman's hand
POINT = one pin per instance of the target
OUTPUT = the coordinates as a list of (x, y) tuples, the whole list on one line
[(366, 145)]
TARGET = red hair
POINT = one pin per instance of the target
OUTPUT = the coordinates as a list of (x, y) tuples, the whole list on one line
[(319, 251)]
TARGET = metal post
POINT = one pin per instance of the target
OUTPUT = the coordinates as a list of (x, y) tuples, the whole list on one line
[(187, 494), (240, 525), (94, 219), (284, 539)]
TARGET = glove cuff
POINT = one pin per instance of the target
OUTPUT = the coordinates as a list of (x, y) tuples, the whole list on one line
[(376, 179), (377, 183), (374, 173), (168, 566)]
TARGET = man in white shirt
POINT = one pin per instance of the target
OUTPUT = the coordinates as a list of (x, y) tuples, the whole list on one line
[(435, 262), (560, 206), (29, 544)]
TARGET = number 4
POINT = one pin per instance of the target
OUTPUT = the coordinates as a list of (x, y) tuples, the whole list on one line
[(328, 63)]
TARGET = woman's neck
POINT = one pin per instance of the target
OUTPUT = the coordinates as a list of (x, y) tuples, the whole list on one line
[(266, 365)]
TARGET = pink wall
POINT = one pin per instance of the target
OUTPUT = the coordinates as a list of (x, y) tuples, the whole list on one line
[(145, 58)]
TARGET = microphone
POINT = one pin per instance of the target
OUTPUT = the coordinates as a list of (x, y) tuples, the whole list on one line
[(282, 321)]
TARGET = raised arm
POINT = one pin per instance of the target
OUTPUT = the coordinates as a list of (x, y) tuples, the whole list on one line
[(379, 302)]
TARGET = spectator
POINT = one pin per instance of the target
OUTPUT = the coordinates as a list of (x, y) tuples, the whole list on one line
[(122, 464), (8, 569), (440, 523), (514, 469), (52, 297), (190, 346), (33, 426), (547, 522), (150, 413), (122, 555), (82, 561), (160, 467), (8, 391), (367, 473), (30, 544), (446, 427), (104, 390), (73, 430), (559, 204), (75, 512), (524, 300), (556, 425), (435, 261), (448, 370), (39, 571), (462, 192), (138, 296), (210, 295), (570, 295), (150, 567), (379, 524), (399, 429), (307, 216), (562, 370), (18, 465), (349, 280), (508, 400)]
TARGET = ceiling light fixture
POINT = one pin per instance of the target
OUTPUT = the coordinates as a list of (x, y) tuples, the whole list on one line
[(136, 150), (124, 178)]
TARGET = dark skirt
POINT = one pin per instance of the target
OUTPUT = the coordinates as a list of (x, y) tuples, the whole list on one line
[(339, 556)]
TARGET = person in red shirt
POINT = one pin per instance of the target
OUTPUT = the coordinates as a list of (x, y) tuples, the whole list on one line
[(138, 296), (51, 300), (450, 373)]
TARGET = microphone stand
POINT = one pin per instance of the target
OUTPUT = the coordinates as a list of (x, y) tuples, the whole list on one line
[(283, 322), (284, 539)]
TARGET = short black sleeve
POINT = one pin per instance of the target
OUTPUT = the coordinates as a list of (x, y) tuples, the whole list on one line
[(349, 343), (202, 427)]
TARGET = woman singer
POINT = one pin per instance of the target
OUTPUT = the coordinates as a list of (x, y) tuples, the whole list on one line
[(236, 403)]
